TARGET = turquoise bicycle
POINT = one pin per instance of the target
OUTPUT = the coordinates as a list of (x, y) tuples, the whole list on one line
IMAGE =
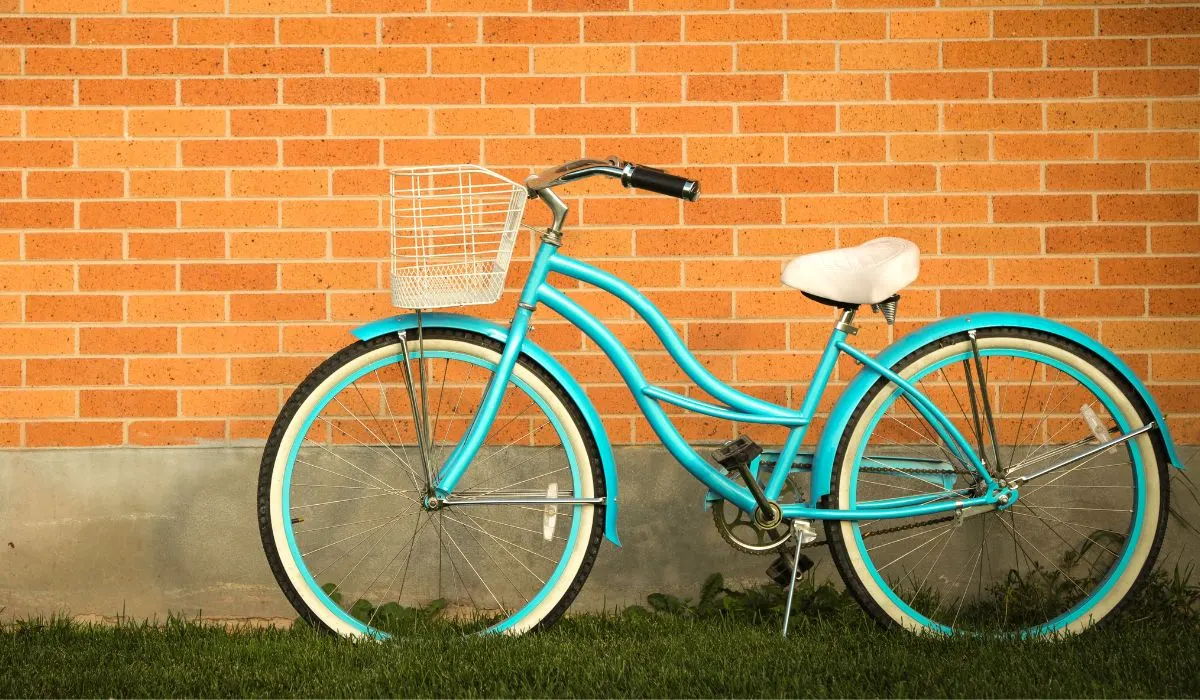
[(994, 472)]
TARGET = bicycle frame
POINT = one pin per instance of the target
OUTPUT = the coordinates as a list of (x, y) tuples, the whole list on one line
[(738, 406)]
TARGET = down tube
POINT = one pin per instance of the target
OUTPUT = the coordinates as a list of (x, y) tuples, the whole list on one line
[(621, 359)]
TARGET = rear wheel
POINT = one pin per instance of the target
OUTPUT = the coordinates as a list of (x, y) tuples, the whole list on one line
[(1077, 542), (342, 486)]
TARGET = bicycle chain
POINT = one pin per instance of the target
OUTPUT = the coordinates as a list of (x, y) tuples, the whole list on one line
[(872, 533)]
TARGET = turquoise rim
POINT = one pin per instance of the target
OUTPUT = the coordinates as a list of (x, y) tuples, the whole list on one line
[(302, 566), (1118, 568)]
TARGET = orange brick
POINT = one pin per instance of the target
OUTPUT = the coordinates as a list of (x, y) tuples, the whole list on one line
[(1041, 84), (582, 59), (31, 30), (836, 26), (323, 31), (361, 181), (229, 214), (229, 402), (56, 61), (123, 31), (159, 61), (991, 177), (1175, 176), (331, 91), (939, 148), (104, 278), (682, 58), (127, 214), (1174, 302), (889, 117), (75, 122), (279, 183), (162, 308), (217, 31), (175, 432), (733, 27), (940, 24), (833, 209), (169, 371), (330, 152), (273, 244), (226, 339), (36, 278), (955, 302), (836, 87), (735, 149), (228, 91), (41, 93), (785, 57), (1167, 335), (37, 404), (579, 120), (1044, 146), (423, 91), (638, 88), (1150, 20), (73, 434), (530, 30), (177, 183), (430, 30), (278, 60), (991, 240), (1058, 271), (74, 372), (273, 7), (1072, 53), (647, 210), (682, 120), (1095, 239), (390, 60), (127, 403), (483, 121), (176, 122), (1174, 51), (288, 371), (175, 6), (992, 54), (35, 340), (431, 151), (787, 119), (126, 154), (1096, 176), (1003, 116), (785, 179), (277, 122), (478, 59), (1039, 23), (1036, 208), (890, 56), (72, 246), (941, 85), (127, 340), (126, 92), (937, 208), (77, 184), (1094, 303), (277, 307), (1108, 115), (59, 309), (746, 88), (887, 178), (1174, 115), (331, 213), (826, 149), (43, 154), (65, 6), (26, 215), (1149, 83), (1147, 207)]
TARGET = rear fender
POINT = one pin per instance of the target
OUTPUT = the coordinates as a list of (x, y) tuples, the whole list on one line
[(499, 333), (840, 416)]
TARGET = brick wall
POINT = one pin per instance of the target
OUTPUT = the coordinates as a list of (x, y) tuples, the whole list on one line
[(190, 211)]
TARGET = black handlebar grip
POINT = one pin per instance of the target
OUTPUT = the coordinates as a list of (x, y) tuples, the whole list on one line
[(655, 180)]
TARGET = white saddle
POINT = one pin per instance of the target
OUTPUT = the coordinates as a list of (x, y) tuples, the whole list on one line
[(864, 274)]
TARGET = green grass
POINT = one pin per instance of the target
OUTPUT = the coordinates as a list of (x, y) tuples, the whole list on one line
[(830, 653)]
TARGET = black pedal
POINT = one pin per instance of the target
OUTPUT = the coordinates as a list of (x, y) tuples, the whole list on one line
[(780, 570), (736, 452)]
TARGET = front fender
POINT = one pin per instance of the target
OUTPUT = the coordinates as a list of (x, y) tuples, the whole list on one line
[(840, 416), (497, 332)]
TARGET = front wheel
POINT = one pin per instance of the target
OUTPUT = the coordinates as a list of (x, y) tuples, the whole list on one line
[(341, 495), (1077, 542)]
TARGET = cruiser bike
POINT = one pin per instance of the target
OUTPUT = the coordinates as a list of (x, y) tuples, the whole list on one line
[(988, 473)]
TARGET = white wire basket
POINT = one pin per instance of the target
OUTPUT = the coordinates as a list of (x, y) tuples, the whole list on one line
[(453, 228)]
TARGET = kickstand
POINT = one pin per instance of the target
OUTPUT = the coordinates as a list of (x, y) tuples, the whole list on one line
[(798, 533)]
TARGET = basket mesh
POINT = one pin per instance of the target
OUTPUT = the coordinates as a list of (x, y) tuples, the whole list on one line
[(453, 229)]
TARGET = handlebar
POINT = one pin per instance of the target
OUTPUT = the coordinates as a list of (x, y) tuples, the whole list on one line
[(631, 175)]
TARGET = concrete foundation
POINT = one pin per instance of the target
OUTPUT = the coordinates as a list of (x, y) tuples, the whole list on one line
[(149, 532)]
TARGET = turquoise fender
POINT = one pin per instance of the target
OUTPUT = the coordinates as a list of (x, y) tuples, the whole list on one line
[(840, 416), (497, 332)]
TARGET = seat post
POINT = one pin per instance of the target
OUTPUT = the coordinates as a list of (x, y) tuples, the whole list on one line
[(846, 322)]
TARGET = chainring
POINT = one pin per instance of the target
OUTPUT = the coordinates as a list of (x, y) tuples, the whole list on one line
[(737, 528)]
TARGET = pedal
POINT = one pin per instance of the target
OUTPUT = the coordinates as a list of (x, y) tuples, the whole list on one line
[(737, 452), (780, 570)]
